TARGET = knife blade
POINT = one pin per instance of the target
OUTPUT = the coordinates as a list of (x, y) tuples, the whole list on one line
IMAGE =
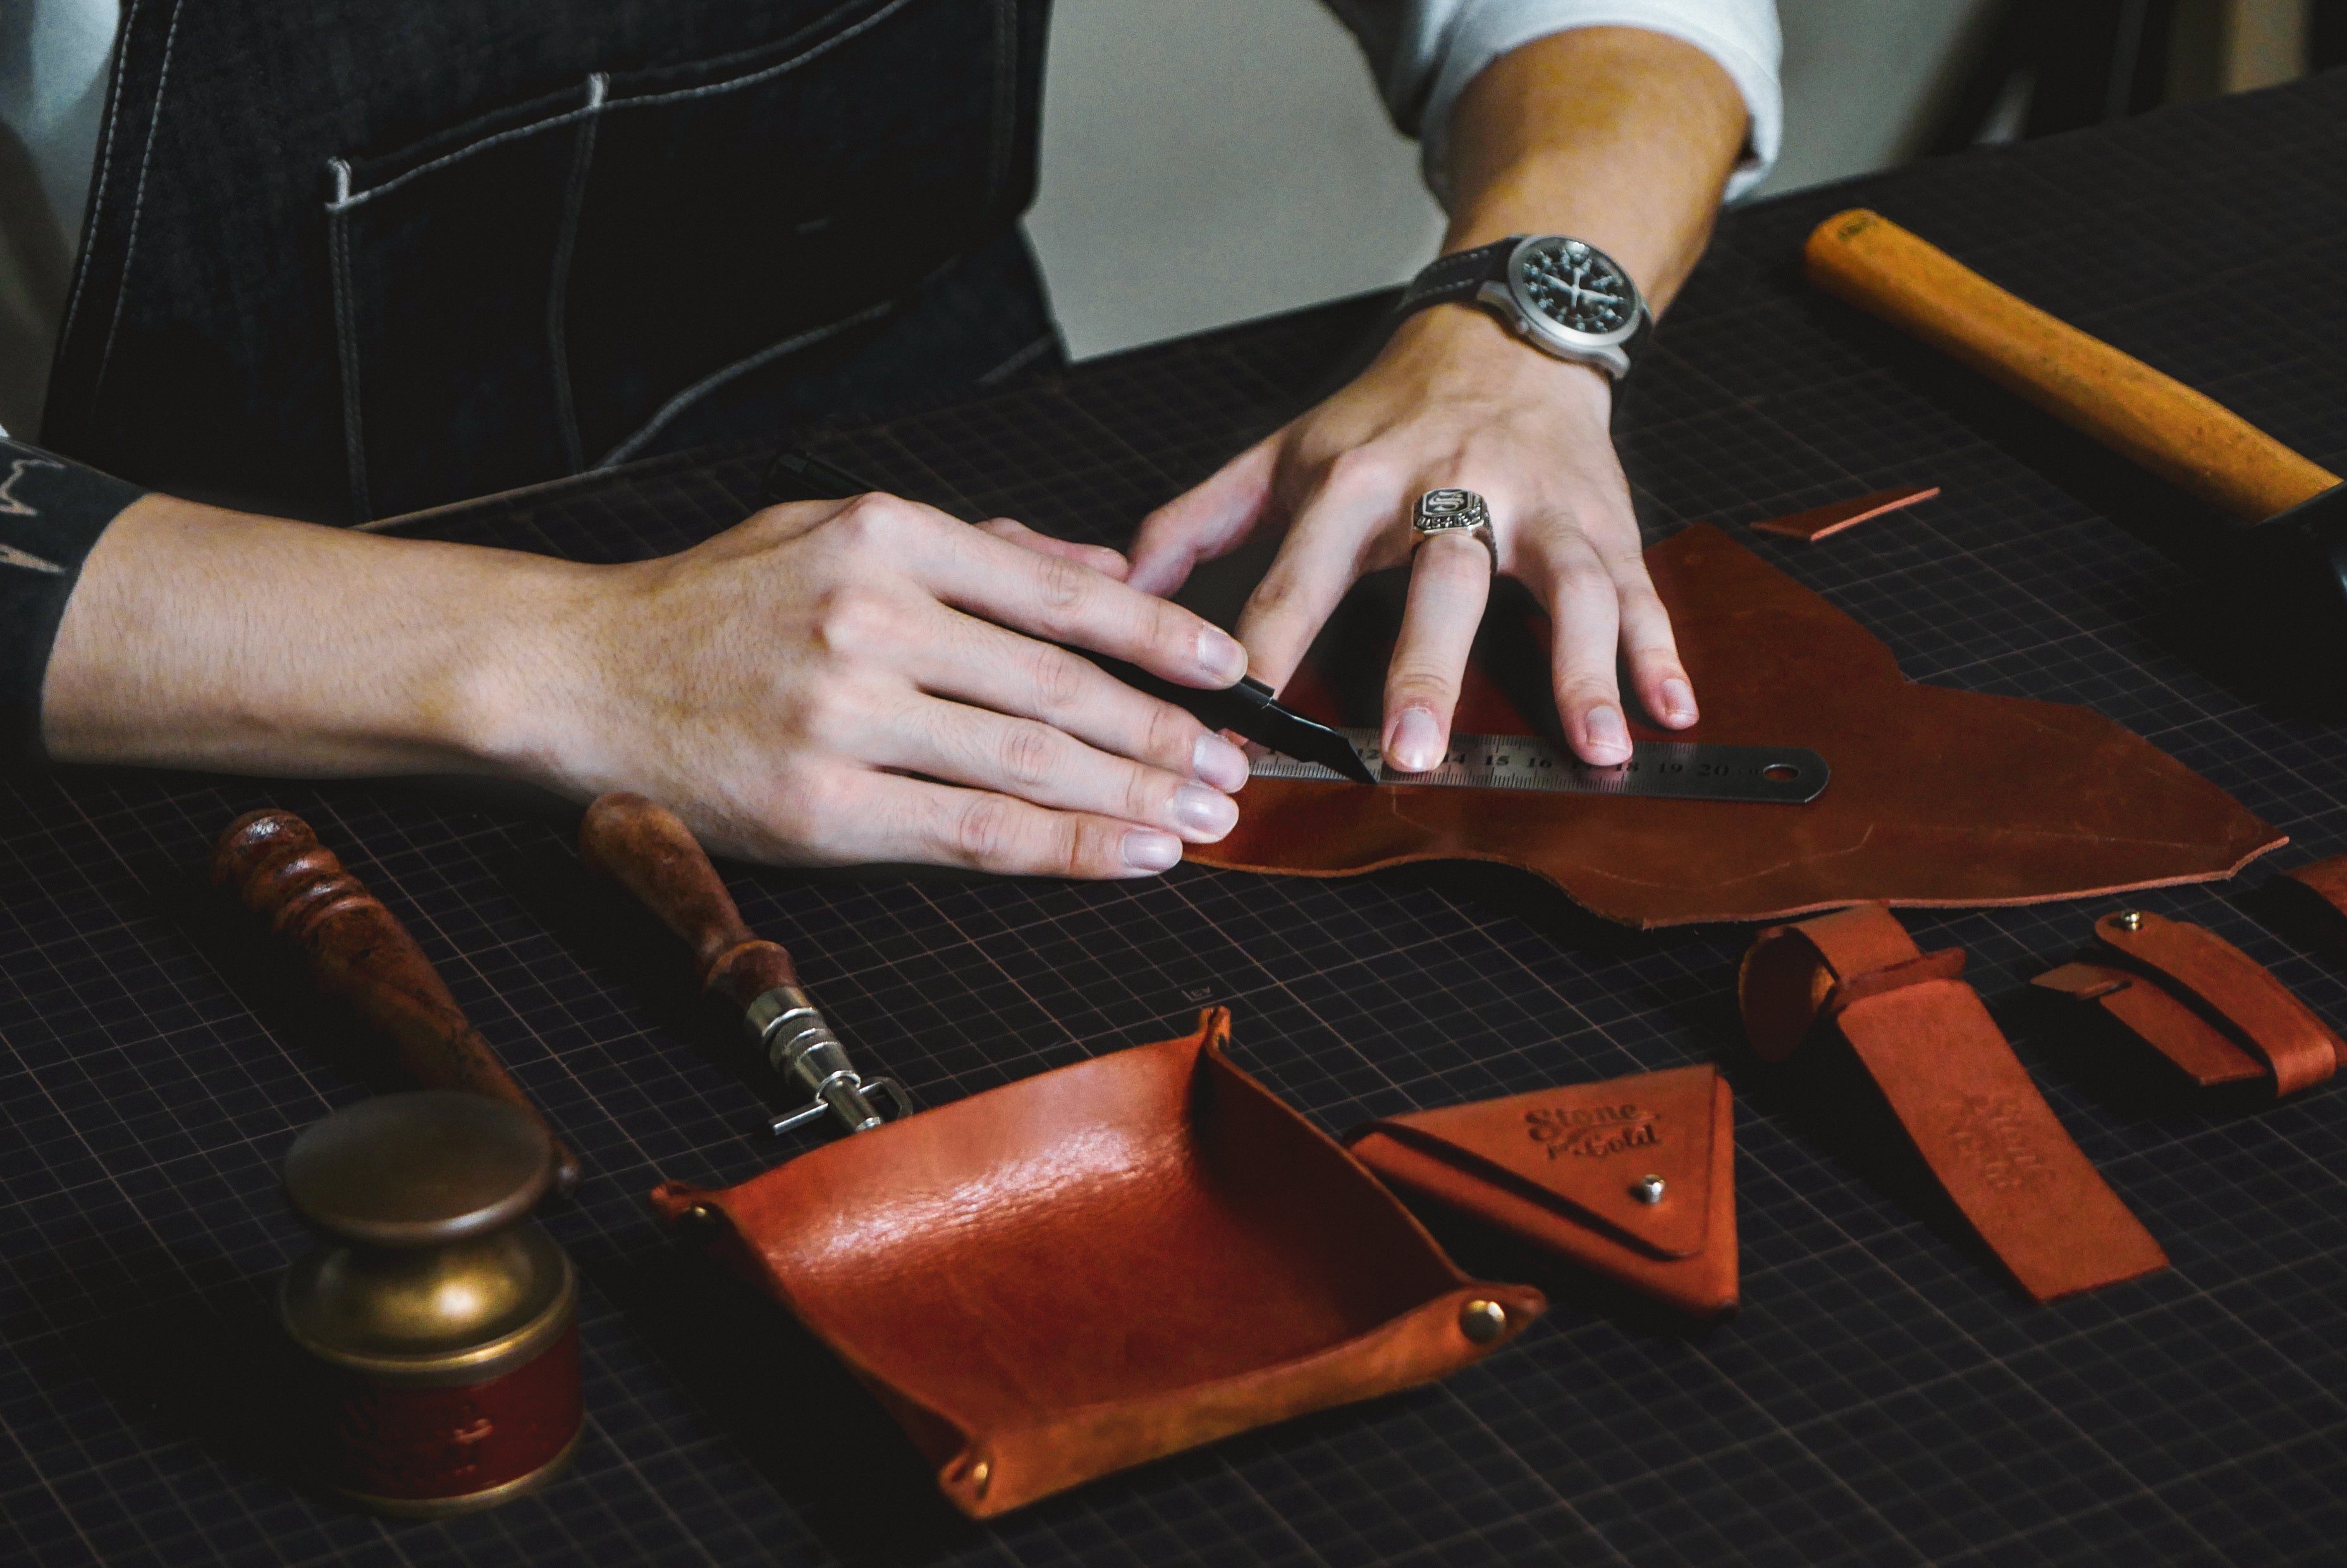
[(1249, 709)]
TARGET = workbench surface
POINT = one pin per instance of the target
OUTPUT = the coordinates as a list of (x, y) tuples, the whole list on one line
[(1885, 1397)]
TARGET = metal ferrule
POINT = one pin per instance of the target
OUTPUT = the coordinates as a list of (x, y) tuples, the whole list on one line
[(802, 1050)]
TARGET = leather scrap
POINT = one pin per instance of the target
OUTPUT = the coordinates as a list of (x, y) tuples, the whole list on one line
[(1820, 522), (2200, 1050), (1938, 798), (1560, 1168), (2326, 879), (1954, 1084), (2300, 1048), (1101, 1265)]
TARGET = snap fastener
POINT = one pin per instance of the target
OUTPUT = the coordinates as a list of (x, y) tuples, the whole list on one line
[(2131, 921), (1647, 1190), (1483, 1321)]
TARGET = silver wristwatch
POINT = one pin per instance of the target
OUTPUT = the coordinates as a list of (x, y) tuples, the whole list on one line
[(1566, 297)]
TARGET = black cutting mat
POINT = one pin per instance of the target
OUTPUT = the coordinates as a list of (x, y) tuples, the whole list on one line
[(1884, 1398)]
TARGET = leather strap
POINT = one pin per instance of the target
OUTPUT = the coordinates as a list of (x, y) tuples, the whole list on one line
[(2327, 879), (1957, 1089), (2199, 1049), (1456, 278), (2210, 970)]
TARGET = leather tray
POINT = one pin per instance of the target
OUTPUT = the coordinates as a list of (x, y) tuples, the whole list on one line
[(1101, 1265), (1938, 798)]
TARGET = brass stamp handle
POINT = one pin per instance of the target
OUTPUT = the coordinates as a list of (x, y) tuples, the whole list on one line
[(360, 954)]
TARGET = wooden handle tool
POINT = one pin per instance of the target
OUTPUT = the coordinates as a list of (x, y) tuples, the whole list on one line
[(360, 954), (2188, 438), (642, 846)]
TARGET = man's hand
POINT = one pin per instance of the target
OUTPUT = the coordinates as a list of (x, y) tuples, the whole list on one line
[(1612, 134), (1454, 401), (791, 688), (841, 655)]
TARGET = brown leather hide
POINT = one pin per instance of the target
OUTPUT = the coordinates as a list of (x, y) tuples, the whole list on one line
[(1938, 797), (1102, 1264)]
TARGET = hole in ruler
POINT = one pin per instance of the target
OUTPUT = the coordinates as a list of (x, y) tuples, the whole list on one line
[(1781, 772)]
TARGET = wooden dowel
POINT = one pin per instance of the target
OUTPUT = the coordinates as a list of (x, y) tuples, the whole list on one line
[(2187, 438), (360, 954)]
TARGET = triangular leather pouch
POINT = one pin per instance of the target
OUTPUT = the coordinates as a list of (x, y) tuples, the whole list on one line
[(1633, 1177)]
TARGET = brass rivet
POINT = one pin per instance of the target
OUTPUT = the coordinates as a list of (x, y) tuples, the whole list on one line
[(1483, 1321), (1647, 1190), (979, 1474), (2131, 921), (700, 1217)]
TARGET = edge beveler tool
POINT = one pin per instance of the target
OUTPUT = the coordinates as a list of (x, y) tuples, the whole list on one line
[(643, 847)]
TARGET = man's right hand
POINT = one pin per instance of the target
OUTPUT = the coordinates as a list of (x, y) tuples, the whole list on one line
[(827, 682)]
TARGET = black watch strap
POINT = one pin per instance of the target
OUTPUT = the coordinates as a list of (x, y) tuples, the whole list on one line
[(1458, 278)]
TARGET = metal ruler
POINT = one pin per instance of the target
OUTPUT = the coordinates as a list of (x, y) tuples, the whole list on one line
[(1670, 769)]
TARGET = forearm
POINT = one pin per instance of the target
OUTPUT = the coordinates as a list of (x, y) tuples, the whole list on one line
[(207, 639), (1613, 134)]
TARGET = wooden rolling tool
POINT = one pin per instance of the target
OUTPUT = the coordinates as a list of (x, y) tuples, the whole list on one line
[(642, 846), (2297, 553), (360, 954)]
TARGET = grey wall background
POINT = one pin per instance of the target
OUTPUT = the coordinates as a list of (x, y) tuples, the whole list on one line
[(1209, 160)]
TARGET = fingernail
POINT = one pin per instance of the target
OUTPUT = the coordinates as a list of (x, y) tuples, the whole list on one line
[(1220, 655), (1204, 813), (1146, 849), (1218, 763), (1607, 735), (1678, 701), (1416, 743)]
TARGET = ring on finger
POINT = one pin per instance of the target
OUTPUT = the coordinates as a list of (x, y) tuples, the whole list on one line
[(1455, 511)]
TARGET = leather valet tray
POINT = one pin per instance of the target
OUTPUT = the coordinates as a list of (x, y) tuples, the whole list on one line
[(1633, 1178), (1101, 1265), (1938, 796)]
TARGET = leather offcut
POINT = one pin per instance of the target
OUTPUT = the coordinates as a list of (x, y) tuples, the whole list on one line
[(2325, 878), (1938, 798), (1560, 1168), (2298, 1047), (1101, 1265), (1954, 1084), (1823, 522)]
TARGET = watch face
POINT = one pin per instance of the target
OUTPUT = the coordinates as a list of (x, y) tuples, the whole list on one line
[(1576, 287)]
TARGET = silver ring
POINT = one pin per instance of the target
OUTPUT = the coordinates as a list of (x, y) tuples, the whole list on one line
[(1454, 511)]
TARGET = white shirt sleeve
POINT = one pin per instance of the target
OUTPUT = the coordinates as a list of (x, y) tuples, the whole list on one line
[(1425, 52)]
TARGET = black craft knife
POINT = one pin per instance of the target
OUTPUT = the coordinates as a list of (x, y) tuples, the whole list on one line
[(1248, 709)]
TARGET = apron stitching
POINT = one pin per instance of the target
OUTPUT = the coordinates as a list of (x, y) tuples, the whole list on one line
[(347, 342), (138, 201), (558, 287), (347, 199), (105, 168), (717, 378), (753, 77)]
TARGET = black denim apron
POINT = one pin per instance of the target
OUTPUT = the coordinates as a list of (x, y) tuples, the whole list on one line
[(354, 257)]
